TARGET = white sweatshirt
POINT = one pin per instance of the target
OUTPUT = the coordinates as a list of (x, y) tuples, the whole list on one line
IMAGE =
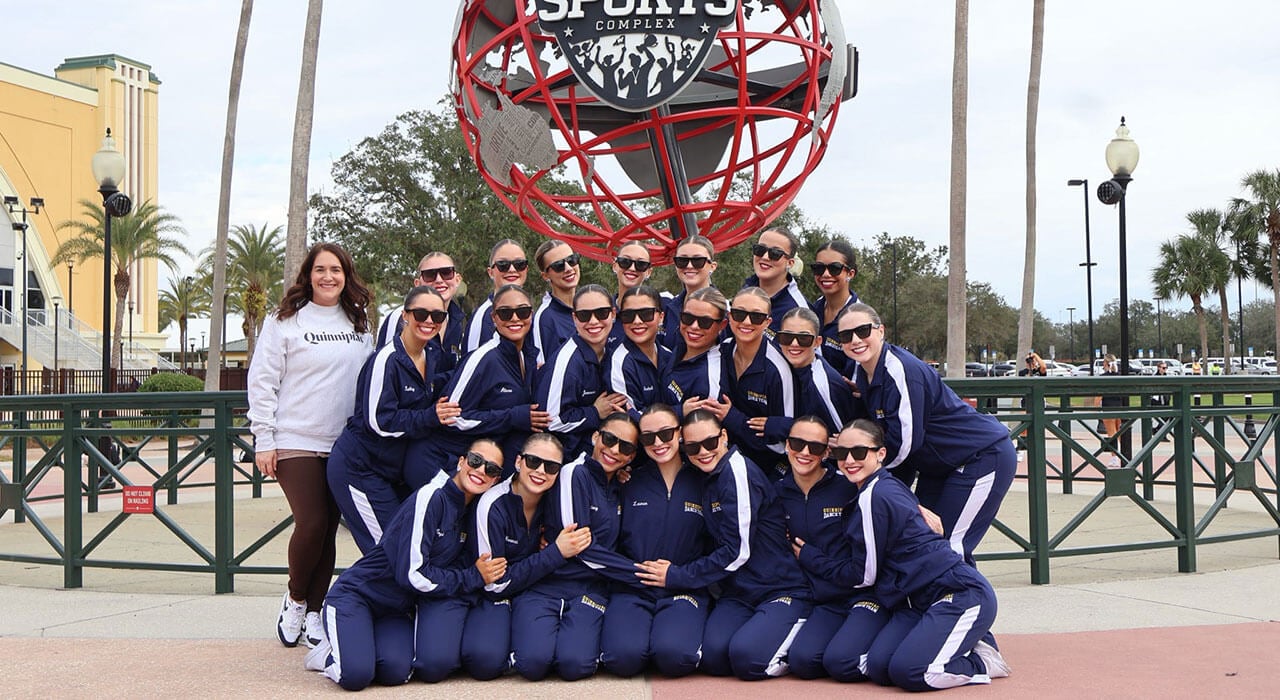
[(302, 379)]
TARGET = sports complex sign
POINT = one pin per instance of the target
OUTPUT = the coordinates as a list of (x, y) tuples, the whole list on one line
[(635, 54)]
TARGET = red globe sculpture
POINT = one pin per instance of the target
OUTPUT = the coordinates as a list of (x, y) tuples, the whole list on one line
[(722, 158)]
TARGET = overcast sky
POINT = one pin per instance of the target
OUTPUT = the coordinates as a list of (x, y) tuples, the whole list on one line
[(1198, 82)]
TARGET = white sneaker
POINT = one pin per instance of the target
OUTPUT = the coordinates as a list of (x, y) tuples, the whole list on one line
[(313, 630), (289, 624), (318, 657), (991, 658), (1114, 463)]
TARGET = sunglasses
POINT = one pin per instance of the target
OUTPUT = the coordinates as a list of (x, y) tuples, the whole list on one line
[(786, 338), (646, 314), (430, 275), (610, 440), (421, 315), (534, 463), (703, 322), (697, 262), (584, 315), (559, 266), (628, 263), (506, 313), (740, 315), (507, 265), (765, 251), (663, 435), (858, 452), (833, 269), (864, 331), (817, 449), (491, 469), (692, 448)]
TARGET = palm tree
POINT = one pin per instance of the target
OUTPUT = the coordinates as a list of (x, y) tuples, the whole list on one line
[(296, 239), (1027, 315), (1261, 210), (957, 292), (1183, 271), (219, 269), (1208, 224), (185, 298), (254, 256), (143, 234)]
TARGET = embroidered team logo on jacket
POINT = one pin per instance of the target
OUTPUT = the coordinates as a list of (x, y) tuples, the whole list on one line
[(635, 54)]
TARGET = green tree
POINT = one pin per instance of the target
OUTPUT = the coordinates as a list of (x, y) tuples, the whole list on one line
[(143, 234), (185, 298), (255, 267), (1027, 313), (1208, 224), (1184, 270), (1260, 208), (300, 161)]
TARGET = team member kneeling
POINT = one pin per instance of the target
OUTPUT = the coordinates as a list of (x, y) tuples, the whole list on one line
[(369, 612), (942, 607), (765, 598)]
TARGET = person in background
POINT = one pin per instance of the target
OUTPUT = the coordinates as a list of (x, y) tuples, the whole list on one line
[(820, 390), (942, 608), (571, 386), (833, 268), (1035, 366), (772, 256), (662, 519), (636, 366), (1111, 426), (695, 260), (507, 265), (764, 595), (965, 459), (293, 433), (553, 323), (395, 404), (369, 614), (509, 525)]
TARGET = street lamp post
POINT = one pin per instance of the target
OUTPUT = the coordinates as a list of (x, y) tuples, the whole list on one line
[(57, 330), (204, 351), (15, 207), (1159, 334), (1071, 332), (1087, 264), (222, 357), (131, 330), (1122, 160), (108, 170)]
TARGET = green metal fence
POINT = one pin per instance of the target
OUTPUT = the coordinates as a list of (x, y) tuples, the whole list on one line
[(1220, 447)]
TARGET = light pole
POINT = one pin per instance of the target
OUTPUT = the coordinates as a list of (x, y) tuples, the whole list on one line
[(131, 330), (108, 170), (204, 354), (222, 357), (1122, 160), (1071, 332), (71, 297), (15, 207), (1159, 335), (1087, 264), (57, 328)]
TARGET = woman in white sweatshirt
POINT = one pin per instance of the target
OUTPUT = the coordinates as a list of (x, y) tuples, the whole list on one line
[(301, 391)]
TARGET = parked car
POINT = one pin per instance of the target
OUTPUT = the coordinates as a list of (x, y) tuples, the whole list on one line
[(1172, 366), (1080, 370), (1259, 365), (976, 369), (1136, 366), (1003, 369), (1055, 369)]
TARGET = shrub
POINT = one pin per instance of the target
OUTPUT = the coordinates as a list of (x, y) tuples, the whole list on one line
[(172, 381)]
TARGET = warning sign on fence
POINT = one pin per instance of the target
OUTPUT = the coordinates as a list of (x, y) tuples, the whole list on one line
[(139, 499)]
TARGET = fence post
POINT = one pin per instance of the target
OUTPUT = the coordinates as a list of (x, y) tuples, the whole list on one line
[(1184, 483), (72, 520), (20, 460), (224, 498), (1037, 488)]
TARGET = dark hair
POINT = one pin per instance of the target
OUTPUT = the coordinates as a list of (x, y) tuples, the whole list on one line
[(845, 250), (484, 441), (859, 307), (419, 291), (701, 415), (626, 244), (588, 289), (541, 252), (511, 288), (785, 232), (700, 241), (710, 295), (548, 438), (355, 296), (804, 314), (869, 427), (757, 293), (810, 418), (619, 417), (506, 241), (641, 290), (655, 408)]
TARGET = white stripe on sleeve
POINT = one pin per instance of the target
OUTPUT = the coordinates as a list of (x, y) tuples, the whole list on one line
[(420, 501), (742, 489), (377, 378)]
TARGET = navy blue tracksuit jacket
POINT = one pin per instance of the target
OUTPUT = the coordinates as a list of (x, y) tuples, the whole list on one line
[(568, 386), (690, 377), (821, 391), (444, 350), (657, 524), (751, 555), (495, 397), (552, 325), (818, 519), (480, 328), (832, 350), (787, 298), (765, 389), (629, 371)]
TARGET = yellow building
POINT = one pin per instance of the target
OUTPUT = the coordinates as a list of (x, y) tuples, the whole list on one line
[(50, 127)]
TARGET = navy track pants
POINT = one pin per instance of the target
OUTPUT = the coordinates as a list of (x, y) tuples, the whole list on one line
[(564, 633), (968, 499), (752, 641), (639, 629), (364, 648), (438, 637), (486, 639)]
